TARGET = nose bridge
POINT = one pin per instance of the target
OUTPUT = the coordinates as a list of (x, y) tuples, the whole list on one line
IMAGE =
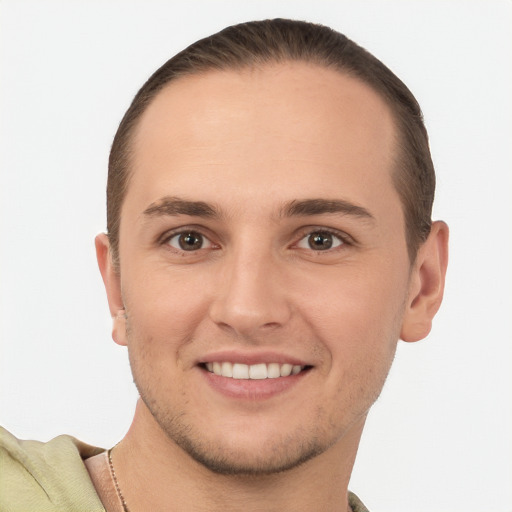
[(250, 295)]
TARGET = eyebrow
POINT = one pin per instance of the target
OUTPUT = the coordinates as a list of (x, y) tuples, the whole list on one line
[(177, 206), (306, 207), (310, 207)]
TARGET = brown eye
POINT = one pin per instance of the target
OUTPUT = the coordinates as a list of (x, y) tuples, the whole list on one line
[(189, 241), (320, 241)]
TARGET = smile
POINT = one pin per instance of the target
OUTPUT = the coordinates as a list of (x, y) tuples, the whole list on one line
[(253, 371)]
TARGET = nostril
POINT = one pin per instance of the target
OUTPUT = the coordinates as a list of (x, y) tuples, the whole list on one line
[(270, 325)]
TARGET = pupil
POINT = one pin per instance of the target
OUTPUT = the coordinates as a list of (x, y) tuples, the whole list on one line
[(320, 241), (190, 241)]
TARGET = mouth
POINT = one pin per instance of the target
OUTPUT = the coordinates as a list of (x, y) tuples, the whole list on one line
[(258, 371)]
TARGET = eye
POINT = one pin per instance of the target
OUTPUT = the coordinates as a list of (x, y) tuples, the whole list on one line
[(189, 241), (320, 241)]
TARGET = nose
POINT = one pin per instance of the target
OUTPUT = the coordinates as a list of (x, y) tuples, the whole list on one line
[(250, 299)]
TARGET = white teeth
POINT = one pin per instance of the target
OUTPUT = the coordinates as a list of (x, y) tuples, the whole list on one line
[(273, 371), (240, 371), (258, 371), (227, 370), (217, 368), (253, 371), (286, 369), (296, 369)]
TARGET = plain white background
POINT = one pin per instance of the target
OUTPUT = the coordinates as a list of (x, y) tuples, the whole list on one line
[(439, 438)]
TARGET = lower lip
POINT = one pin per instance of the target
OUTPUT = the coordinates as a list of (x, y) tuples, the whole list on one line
[(252, 389)]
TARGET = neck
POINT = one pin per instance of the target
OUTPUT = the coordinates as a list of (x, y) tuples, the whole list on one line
[(156, 474)]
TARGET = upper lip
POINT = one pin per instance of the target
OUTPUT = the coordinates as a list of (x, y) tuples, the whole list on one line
[(254, 357)]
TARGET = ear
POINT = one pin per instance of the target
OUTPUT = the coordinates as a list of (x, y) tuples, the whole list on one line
[(112, 282), (426, 285)]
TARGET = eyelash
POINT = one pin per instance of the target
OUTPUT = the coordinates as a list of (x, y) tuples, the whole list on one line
[(344, 239), (167, 237)]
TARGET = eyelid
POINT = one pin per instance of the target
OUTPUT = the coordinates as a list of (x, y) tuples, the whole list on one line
[(206, 242), (189, 228), (166, 235), (300, 234), (345, 238)]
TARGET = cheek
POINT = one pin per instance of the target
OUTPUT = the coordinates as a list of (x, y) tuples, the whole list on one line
[(358, 316), (164, 308), (164, 291)]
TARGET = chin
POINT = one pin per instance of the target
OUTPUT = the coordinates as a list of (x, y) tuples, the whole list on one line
[(235, 450), (243, 464), (261, 458)]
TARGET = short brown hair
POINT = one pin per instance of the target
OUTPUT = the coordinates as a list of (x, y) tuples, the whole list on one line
[(279, 40)]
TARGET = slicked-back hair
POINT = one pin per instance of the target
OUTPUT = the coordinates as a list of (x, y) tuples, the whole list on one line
[(258, 43)]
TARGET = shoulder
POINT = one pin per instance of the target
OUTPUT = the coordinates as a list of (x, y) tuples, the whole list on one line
[(50, 476), (356, 504)]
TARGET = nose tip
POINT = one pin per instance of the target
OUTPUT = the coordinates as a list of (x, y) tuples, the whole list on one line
[(250, 302), (243, 322)]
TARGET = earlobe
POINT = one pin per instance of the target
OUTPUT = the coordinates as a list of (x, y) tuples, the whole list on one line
[(426, 284), (119, 327), (112, 282)]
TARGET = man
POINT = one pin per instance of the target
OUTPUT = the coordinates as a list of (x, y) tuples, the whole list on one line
[(269, 241)]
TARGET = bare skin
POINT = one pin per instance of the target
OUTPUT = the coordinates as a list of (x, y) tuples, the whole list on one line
[(270, 493), (261, 227), (99, 472)]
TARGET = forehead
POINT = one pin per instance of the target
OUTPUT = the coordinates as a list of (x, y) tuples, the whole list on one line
[(277, 129)]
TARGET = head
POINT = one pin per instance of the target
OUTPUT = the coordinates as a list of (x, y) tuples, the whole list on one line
[(268, 210), (276, 41)]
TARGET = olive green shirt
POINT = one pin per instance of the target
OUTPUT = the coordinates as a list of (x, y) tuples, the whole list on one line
[(51, 477)]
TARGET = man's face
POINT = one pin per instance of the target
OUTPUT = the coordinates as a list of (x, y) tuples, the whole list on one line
[(261, 232)]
